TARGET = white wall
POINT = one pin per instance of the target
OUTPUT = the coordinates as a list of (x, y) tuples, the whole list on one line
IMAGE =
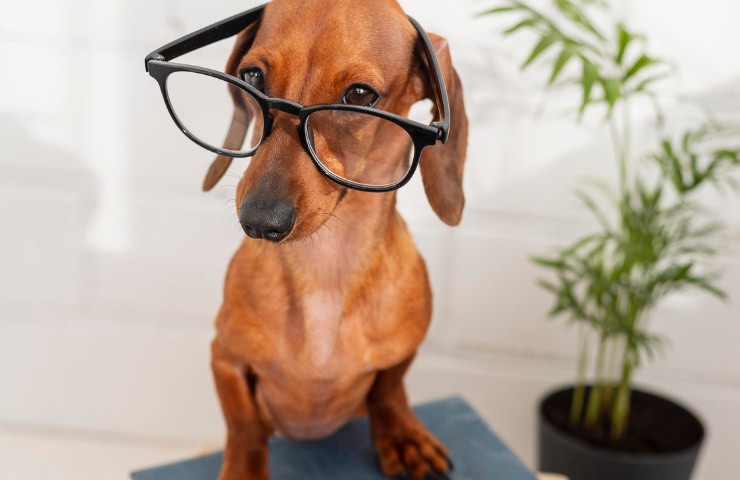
[(111, 260)]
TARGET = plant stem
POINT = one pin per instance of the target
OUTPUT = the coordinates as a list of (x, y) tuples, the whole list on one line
[(611, 376), (626, 142), (594, 408), (621, 408), (576, 406), (621, 405), (621, 139)]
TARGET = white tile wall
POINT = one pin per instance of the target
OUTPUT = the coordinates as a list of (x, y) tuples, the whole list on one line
[(111, 260)]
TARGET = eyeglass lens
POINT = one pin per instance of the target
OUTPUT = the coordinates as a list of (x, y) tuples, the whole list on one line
[(346, 143), (210, 108)]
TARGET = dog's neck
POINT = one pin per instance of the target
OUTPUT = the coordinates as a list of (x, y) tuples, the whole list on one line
[(359, 229)]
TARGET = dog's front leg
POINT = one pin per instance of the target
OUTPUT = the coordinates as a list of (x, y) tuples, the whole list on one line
[(404, 445), (245, 455)]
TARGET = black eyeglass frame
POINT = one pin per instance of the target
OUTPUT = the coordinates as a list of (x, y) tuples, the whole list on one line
[(158, 65)]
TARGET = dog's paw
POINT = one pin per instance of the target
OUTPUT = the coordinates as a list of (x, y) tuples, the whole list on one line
[(412, 454), (249, 466), (230, 473)]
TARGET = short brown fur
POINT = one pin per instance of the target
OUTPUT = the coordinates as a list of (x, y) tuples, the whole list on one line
[(323, 325)]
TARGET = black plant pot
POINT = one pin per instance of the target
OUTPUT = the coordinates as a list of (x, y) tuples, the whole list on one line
[(671, 430)]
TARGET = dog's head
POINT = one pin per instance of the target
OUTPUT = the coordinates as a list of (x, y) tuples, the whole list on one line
[(327, 52)]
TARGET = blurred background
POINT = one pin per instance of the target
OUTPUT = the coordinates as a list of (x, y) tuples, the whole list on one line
[(112, 260)]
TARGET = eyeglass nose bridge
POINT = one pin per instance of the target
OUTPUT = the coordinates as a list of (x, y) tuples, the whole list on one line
[(284, 105)]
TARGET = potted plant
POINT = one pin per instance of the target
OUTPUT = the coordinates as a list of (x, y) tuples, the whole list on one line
[(653, 240)]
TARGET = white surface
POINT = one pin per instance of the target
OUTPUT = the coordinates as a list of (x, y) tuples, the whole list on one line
[(45, 455), (549, 476), (111, 261)]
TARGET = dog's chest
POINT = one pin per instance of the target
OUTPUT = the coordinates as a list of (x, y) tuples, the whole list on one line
[(321, 328)]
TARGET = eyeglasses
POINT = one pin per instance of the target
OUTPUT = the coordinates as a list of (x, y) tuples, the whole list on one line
[(332, 134)]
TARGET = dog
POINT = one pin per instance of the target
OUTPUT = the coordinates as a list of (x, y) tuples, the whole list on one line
[(323, 314)]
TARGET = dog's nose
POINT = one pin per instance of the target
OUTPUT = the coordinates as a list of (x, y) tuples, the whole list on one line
[(271, 221)]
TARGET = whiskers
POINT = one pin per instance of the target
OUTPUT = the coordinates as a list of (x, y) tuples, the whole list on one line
[(341, 251), (229, 208), (333, 215), (325, 223), (315, 237), (303, 241), (230, 204)]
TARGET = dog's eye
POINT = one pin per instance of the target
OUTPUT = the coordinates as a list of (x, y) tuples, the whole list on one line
[(360, 95), (255, 77)]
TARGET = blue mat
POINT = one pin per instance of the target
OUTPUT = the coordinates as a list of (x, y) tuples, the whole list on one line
[(349, 455)]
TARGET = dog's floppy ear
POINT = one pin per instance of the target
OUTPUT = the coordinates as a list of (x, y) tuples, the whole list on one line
[(240, 121), (442, 164)]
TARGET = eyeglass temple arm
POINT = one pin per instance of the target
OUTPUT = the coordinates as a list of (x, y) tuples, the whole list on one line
[(205, 36), (439, 83)]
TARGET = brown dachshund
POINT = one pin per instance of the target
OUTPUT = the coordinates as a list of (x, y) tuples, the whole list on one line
[(323, 313)]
